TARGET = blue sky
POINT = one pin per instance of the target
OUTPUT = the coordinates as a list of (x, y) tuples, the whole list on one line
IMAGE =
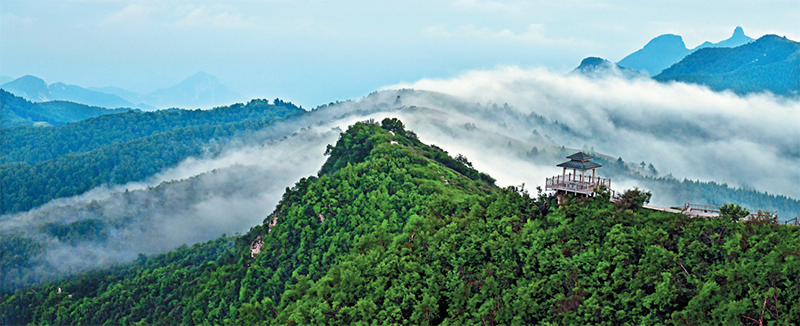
[(314, 52)]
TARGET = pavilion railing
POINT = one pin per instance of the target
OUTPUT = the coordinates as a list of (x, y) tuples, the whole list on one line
[(795, 221), (576, 183), (711, 209)]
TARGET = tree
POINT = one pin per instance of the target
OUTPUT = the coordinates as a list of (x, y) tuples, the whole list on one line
[(733, 212), (463, 160)]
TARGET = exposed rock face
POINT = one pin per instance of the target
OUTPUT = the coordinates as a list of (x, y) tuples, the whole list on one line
[(272, 223), (255, 247)]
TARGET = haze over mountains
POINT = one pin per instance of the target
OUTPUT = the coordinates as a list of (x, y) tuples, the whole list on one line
[(200, 90), (394, 207), (771, 63), (666, 50), (35, 89)]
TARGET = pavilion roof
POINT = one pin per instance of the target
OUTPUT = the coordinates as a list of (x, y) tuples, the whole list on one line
[(580, 156), (579, 165)]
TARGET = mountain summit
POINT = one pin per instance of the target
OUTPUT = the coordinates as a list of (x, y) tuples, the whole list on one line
[(35, 89), (771, 63), (199, 90), (665, 50), (599, 67), (738, 38), (659, 53)]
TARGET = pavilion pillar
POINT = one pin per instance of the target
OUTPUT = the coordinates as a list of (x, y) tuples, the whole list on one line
[(592, 181), (564, 175)]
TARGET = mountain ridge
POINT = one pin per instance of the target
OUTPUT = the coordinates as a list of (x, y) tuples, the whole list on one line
[(17, 111), (35, 89), (594, 67), (665, 50), (198, 90), (395, 235), (771, 63)]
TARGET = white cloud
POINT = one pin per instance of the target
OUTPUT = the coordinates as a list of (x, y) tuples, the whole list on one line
[(533, 34), (687, 130), (11, 19), (131, 13), (219, 16), (482, 6)]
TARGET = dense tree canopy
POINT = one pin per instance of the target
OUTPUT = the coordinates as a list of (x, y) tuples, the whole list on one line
[(40, 164), (389, 233)]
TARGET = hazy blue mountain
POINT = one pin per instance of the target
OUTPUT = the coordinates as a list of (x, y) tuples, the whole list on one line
[(74, 93), (199, 90), (35, 89), (665, 50), (660, 53), (5, 79), (738, 38), (16, 111), (29, 87), (598, 67), (126, 95), (771, 63)]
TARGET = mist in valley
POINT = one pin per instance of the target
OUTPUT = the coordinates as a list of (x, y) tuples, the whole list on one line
[(495, 118), (686, 130)]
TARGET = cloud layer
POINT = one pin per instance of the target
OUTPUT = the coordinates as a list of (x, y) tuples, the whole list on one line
[(686, 130)]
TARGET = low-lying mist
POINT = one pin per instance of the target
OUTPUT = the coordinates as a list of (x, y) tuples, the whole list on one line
[(686, 130), (511, 123)]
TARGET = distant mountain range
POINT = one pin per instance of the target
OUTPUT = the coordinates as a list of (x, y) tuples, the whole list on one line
[(599, 67), (665, 50), (200, 90), (35, 89), (17, 111), (771, 63)]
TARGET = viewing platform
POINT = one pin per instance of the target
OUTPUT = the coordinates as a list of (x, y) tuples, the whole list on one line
[(701, 210), (579, 184)]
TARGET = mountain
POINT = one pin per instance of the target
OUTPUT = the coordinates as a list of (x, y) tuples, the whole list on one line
[(124, 94), (738, 38), (658, 54), (68, 160), (30, 88), (17, 111), (5, 79), (771, 63), (665, 50), (599, 67), (392, 230), (199, 90), (37, 90)]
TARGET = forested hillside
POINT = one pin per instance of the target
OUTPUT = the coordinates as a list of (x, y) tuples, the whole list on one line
[(40, 164), (17, 111), (670, 191), (395, 231), (771, 63)]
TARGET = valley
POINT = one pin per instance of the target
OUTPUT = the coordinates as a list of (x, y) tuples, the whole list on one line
[(360, 163)]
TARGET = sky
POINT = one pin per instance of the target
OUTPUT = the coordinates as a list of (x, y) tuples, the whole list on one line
[(315, 52)]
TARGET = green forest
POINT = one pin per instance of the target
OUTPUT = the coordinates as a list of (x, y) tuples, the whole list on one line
[(685, 191), (393, 231), (771, 63), (17, 111), (40, 164)]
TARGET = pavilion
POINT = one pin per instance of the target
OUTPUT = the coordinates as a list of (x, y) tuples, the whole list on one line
[(578, 184)]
